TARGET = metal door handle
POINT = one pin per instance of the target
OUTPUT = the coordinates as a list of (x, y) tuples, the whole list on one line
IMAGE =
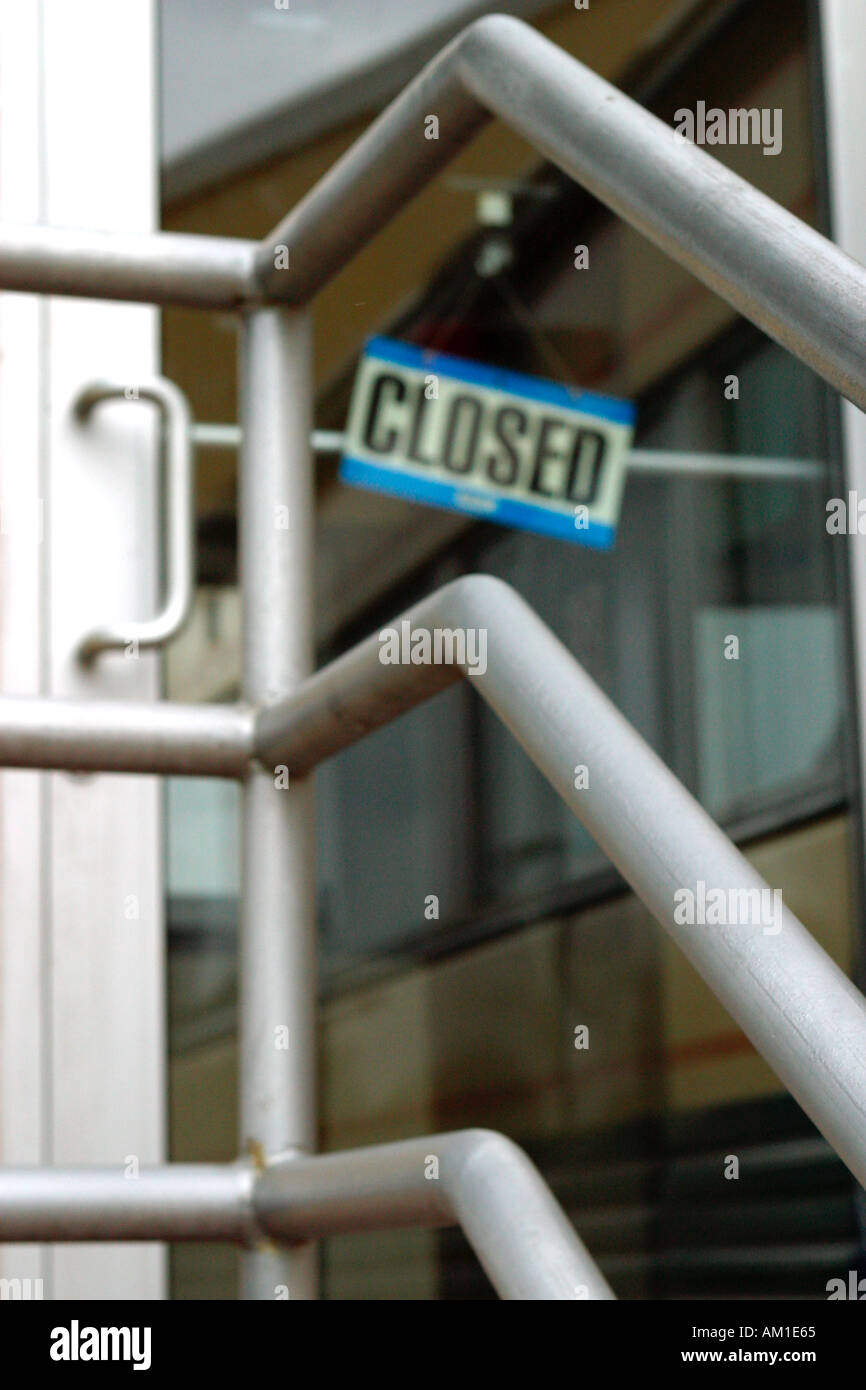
[(156, 631)]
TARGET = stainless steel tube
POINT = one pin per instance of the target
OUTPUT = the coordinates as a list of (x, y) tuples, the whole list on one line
[(277, 947), (151, 268), (227, 436), (475, 1178), (674, 463), (373, 180), (793, 283), (184, 1201), (769, 265), (119, 736), (788, 996), (663, 461)]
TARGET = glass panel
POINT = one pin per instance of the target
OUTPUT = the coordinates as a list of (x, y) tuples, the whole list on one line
[(391, 813), (493, 925), (699, 565)]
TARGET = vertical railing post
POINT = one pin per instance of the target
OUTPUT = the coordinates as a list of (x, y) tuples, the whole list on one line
[(277, 930)]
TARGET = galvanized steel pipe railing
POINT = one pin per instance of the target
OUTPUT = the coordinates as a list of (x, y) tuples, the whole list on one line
[(799, 1009), (55, 734), (777, 271), (773, 268), (476, 1179)]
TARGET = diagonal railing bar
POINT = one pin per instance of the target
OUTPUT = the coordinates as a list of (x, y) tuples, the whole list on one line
[(777, 271), (795, 1004), (476, 1179)]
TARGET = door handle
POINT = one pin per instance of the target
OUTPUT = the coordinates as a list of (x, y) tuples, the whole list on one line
[(178, 482)]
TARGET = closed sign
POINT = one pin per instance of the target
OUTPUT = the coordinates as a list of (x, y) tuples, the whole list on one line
[(514, 449)]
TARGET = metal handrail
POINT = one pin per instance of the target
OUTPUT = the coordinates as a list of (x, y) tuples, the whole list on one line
[(476, 1179), (784, 276), (168, 738), (482, 1182), (773, 268), (795, 1004), (172, 1202), (788, 279), (203, 272)]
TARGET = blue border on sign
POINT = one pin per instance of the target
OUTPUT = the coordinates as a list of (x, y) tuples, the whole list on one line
[(535, 388), (475, 502)]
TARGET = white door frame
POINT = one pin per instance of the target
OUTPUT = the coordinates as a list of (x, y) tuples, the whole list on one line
[(82, 992)]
